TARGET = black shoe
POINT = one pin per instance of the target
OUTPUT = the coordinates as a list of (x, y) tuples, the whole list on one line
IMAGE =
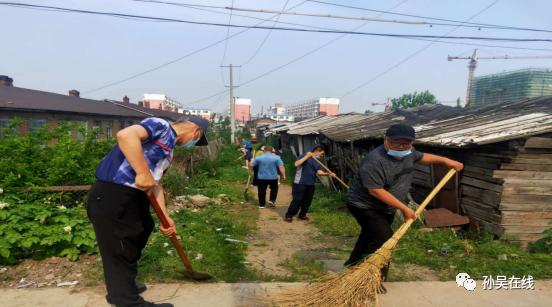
[(381, 289), (141, 287)]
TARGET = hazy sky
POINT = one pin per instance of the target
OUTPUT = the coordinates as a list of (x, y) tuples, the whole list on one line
[(55, 51)]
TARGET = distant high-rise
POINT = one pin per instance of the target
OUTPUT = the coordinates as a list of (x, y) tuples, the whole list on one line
[(313, 108), (511, 86), (242, 109)]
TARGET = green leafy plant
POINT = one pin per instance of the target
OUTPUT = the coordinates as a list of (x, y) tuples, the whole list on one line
[(41, 228)]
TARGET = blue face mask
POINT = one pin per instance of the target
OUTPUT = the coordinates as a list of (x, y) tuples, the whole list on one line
[(399, 153), (190, 144)]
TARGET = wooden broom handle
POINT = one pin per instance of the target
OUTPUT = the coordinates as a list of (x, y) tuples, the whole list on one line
[(329, 171), (174, 239), (436, 190)]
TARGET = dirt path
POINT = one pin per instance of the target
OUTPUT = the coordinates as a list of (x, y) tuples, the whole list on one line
[(276, 240), (421, 293)]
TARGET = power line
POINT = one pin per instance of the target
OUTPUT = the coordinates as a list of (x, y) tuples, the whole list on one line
[(298, 58), (227, 34), (266, 37), (434, 18), (454, 22), (507, 39), (325, 28), (177, 59), (406, 59)]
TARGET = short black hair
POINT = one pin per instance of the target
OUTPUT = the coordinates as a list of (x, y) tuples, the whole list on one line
[(319, 147)]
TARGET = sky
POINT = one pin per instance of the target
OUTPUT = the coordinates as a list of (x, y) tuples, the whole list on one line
[(58, 51)]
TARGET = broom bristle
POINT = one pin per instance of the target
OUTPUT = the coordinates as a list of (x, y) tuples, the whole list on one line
[(356, 286)]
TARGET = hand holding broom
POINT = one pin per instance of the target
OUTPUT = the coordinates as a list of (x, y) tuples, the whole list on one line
[(358, 285)]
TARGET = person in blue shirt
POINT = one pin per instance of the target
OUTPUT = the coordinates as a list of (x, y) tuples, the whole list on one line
[(247, 149), (270, 165), (118, 206), (302, 190)]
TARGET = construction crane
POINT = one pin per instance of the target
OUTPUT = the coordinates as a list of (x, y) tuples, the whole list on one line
[(473, 64), (387, 104)]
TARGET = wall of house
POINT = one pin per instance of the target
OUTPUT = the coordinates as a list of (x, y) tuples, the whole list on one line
[(33, 120)]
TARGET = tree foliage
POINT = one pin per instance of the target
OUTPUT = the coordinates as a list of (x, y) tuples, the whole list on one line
[(413, 100)]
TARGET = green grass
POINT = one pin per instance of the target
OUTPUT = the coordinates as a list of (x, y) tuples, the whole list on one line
[(304, 269), (476, 254), (198, 230)]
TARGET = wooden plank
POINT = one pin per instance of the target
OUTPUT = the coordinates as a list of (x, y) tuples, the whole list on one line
[(485, 196), (514, 190), (478, 170), (538, 142), (524, 229), (523, 221), (486, 215), (526, 174), (483, 177), (535, 156), (481, 184), (526, 167), (525, 207), (533, 199), (526, 214), (532, 161), (491, 227), (477, 203), (531, 237), (521, 182)]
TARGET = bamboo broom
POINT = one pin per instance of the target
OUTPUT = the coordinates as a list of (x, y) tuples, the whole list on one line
[(358, 285)]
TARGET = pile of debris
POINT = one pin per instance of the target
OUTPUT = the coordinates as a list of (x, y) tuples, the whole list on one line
[(198, 202)]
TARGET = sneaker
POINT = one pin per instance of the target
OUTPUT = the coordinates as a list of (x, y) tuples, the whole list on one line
[(288, 219), (304, 218), (271, 204), (261, 207)]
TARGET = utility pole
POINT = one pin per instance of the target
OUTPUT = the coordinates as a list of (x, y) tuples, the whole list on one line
[(232, 106)]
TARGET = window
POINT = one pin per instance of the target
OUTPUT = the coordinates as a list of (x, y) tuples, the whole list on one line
[(81, 126), (109, 129), (35, 124), (4, 123), (121, 125)]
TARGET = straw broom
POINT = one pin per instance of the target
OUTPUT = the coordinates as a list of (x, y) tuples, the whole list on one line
[(358, 285)]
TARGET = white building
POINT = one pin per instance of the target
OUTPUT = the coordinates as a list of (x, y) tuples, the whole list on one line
[(278, 113), (314, 107)]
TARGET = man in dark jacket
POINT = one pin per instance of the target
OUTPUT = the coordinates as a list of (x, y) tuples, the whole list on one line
[(302, 190), (381, 187)]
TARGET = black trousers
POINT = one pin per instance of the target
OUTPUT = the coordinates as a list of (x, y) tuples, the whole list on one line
[(122, 222), (261, 188), (375, 230), (301, 199)]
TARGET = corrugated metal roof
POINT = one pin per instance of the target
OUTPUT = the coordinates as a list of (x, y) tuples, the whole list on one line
[(440, 125)]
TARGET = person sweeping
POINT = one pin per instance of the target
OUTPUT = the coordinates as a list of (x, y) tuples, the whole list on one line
[(118, 205), (381, 187), (302, 190)]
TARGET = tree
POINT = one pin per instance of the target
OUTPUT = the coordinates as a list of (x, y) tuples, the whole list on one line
[(368, 112), (413, 100)]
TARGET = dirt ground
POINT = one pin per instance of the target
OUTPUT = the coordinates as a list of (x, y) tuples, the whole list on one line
[(48, 272), (276, 240), (422, 293)]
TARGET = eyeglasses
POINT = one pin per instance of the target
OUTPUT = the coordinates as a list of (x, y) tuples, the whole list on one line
[(399, 144)]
